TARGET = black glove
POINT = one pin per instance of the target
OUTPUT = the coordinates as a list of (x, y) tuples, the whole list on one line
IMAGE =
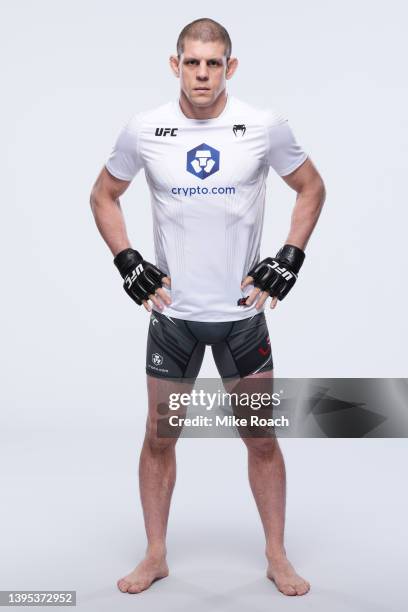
[(141, 277), (277, 275)]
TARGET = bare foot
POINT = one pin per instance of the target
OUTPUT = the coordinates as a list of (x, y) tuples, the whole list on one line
[(148, 570), (282, 573)]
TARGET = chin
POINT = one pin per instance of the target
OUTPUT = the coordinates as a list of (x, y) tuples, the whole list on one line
[(202, 99)]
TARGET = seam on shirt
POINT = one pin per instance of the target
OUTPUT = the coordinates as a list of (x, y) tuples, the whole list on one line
[(137, 130), (138, 143), (117, 174), (293, 167), (268, 139)]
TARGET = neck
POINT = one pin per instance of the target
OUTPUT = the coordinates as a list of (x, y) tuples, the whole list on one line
[(203, 112)]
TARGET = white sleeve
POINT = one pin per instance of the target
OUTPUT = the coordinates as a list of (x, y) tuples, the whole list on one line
[(284, 154), (125, 161)]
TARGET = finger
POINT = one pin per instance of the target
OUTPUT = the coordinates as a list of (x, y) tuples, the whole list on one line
[(156, 301), (147, 305), (248, 280), (166, 280), (252, 296), (163, 295), (274, 302), (262, 299)]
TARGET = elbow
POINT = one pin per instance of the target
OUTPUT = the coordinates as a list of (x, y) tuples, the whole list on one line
[(319, 198), (312, 198), (92, 204), (318, 193), (92, 197), (322, 192), (101, 202), (94, 200)]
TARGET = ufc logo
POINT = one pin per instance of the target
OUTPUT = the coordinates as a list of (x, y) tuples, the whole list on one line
[(282, 271), (130, 278), (166, 132)]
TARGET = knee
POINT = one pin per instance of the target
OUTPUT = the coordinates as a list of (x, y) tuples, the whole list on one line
[(262, 447), (158, 437)]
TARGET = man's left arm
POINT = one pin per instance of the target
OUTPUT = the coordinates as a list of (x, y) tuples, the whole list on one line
[(311, 194)]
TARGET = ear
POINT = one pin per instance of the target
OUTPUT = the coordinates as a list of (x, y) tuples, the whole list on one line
[(232, 65), (175, 65)]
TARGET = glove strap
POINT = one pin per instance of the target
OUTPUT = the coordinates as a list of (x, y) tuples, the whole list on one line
[(292, 256), (127, 259)]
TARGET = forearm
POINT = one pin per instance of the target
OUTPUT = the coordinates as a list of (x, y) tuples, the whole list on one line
[(309, 204), (110, 223)]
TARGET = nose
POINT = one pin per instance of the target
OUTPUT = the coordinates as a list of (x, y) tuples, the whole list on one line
[(202, 71)]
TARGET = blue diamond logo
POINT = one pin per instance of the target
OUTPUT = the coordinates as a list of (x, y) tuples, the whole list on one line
[(203, 161)]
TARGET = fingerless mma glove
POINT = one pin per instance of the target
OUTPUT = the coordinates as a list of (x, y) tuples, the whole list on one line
[(141, 277), (277, 275)]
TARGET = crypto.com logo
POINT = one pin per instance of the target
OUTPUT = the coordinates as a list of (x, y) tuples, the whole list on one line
[(157, 359), (203, 161)]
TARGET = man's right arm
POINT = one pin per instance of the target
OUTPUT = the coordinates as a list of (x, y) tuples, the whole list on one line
[(109, 219), (105, 205)]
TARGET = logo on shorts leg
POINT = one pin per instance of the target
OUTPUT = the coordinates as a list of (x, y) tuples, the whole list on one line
[(203, 161), (265, 350), (157, 359)]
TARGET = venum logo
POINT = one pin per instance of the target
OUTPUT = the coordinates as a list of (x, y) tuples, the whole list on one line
[(166, 131), (203, 161), (239, 128), (157, 359)]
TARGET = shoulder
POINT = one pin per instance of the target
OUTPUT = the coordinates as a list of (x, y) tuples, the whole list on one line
[(267, 117), (161, 113)]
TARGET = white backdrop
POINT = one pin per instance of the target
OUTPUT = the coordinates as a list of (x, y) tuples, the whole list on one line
[(73, 344)]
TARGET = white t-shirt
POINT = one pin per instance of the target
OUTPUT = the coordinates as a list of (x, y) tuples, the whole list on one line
[(207, 181)]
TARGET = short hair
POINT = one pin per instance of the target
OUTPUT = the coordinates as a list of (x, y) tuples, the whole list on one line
[(206, 30)]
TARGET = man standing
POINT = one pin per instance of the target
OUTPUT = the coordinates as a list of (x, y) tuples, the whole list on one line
[(206, 157)]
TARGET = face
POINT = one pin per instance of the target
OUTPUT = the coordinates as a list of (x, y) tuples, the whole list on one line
[(203, 70)]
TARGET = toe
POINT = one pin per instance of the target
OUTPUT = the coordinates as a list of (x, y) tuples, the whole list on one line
[(288, 589), (305, 588), (122, 585), (302, 586), (138, 587)]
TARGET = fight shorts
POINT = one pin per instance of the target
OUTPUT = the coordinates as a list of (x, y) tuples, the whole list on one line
[(175, 347)]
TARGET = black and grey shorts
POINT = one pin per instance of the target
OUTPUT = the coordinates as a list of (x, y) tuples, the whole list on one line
[(175, 347)]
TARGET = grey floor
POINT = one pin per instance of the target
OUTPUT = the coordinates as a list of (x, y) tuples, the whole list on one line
[(71, 519)]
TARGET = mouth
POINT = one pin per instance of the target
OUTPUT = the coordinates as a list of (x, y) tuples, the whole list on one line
[(201, 89)]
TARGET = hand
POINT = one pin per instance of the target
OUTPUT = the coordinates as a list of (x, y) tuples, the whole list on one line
[(143, 281), (273, 277), (159, 293), (256, 291)]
